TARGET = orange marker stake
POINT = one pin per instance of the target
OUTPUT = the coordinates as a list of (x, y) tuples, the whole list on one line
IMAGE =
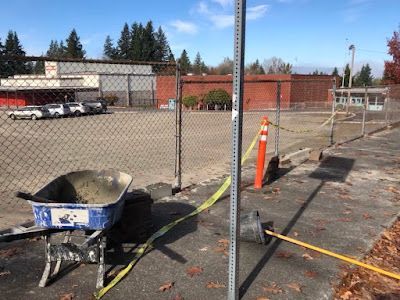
[(262, 148)]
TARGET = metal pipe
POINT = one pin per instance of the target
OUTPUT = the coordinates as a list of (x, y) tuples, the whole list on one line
[(353, 50), (237, 120), (333, 111), (277, 116), (178, 129), (364, 111)]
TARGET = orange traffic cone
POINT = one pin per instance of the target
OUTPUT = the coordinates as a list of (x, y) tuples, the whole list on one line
[(262, 148)]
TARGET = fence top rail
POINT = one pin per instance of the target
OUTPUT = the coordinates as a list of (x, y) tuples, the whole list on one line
[(256, 81), (85, 60)]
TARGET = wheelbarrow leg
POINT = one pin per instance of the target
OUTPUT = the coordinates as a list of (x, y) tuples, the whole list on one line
[(101, 268), (47, 268), (57, 267)]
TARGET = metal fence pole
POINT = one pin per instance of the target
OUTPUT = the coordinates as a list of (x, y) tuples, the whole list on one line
[(237, 120), (178, 130), (127, 91), (364, 111), (333, 111), (277, 116), (386, 105)]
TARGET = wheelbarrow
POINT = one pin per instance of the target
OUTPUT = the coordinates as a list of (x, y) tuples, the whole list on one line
[(88, 201)]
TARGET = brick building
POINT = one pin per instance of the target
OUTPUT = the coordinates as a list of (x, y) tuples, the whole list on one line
[(260, 91)]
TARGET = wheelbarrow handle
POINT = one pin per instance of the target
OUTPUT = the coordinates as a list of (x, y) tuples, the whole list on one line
[(28, 196)]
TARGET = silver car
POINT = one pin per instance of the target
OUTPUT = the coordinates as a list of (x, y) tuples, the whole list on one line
[(78, 108), (29, 112), (58, 110)]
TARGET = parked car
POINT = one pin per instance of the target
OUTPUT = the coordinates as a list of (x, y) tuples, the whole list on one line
[(96, 106), (29, 112), (78, 108), (58, 110)]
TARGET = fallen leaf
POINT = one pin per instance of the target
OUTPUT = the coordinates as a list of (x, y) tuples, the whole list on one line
[(295, 233), (214, 285), (203, 249), (268, 198), (367, 216), (392, 189), (276, 190), (221, 250), (273, 289), (346, 295), (307, 256), (5, 273), (284, 254), (310, 274), (166, 286), (68, 296), (347, 211), (192, 271), (224, 242), (294, 286)]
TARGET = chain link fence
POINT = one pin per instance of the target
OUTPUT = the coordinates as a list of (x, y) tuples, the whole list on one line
[(73, 115), (69, 115)]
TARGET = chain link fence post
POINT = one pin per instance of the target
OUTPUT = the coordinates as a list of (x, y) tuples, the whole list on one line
[(277, 116), (333, 111), (178, 130), (364, 111), (386, 104)]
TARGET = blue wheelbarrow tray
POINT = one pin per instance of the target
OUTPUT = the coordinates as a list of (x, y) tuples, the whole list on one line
[(88, 200)]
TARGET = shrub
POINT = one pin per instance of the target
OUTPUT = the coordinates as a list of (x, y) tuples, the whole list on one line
[(111, 99), (218, 96), (189, 101)]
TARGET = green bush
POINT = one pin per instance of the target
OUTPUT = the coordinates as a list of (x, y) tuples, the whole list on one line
[(218, 96), (190, 101)]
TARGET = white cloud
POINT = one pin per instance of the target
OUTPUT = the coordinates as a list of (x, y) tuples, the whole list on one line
[(224, 3), (256, 12), (185, 27), (224, 20)]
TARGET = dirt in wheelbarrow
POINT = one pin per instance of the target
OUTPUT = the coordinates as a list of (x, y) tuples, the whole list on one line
[(96, 191), (360, 283)]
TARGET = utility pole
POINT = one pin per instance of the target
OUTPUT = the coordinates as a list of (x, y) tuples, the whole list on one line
[(353, 51)]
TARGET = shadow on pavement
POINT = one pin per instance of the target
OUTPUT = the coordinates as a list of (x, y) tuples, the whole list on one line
[(331, 168)]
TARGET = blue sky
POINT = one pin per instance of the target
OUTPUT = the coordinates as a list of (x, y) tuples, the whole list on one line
[(307, 33)]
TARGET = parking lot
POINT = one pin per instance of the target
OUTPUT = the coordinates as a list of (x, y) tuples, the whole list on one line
[(141, 143)]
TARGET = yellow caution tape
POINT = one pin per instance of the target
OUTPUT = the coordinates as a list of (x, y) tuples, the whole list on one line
[(306, 130), (209, 202), (332, 254)]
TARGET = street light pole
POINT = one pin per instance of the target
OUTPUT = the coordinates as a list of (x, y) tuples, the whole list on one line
[(353, 50)]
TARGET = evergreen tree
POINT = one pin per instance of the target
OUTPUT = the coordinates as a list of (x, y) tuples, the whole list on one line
[(136, 47), (74, 48), (124, 43), (38, 67), (255, 68), (162, 51), (185, 62), (2, 63), (197, 65), (335, 72), (364, 77), (346, 75), (56, 50), (109, 49), (12, 47), (148, 42)]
